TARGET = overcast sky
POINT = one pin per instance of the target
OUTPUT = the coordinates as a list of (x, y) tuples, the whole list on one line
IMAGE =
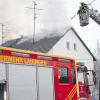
[(55, 16)]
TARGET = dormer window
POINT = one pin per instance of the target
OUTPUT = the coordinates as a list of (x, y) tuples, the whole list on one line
[(68, 45), (75, 47)]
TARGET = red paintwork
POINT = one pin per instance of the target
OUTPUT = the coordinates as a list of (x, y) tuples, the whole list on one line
[(83, 91), (6, 52), (61, 90)]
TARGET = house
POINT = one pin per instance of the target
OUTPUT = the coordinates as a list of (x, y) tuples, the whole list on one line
[(68, 44)]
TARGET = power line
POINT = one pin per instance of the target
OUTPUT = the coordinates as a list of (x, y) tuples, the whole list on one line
[(74, 16), (3, 30), (91, 2)]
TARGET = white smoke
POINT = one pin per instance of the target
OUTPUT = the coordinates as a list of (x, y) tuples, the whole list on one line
[(19, 19)]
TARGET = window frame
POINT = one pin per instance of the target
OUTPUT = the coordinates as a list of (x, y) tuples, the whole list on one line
[(68, 45), (65, 79), (73, 75), (75, 47)]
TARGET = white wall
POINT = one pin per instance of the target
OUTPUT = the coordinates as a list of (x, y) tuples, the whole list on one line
[(81, 54)]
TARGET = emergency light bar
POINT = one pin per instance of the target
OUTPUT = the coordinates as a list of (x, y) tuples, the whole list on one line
[(0, 51), (20, 54), (64, 60), (44, 57)]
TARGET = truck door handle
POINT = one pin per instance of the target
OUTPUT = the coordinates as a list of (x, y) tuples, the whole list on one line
[(60, 94)]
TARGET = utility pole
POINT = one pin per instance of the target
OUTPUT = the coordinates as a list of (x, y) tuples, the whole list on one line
[(34, 20), (2, 28), (34, 9), (99, 88)]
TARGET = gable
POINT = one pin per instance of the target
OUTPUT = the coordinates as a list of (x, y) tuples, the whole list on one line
[(70, 37)]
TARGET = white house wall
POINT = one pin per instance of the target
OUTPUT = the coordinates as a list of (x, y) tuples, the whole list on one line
[(81, 54)]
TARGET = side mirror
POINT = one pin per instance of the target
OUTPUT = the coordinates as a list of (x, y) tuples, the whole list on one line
[(88, 90), (87, 73)]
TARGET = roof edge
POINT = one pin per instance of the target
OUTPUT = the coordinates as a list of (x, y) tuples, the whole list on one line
[(94, 58)]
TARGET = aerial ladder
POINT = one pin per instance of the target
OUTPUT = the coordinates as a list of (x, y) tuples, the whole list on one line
[(95, 15)]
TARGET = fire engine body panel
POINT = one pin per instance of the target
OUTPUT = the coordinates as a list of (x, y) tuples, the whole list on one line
[(29, 75)]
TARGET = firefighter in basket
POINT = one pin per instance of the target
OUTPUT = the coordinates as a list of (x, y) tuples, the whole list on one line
[(83, 14)]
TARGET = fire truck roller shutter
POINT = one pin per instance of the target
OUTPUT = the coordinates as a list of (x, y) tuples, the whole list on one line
[(22, 82), (46, 87), (2, 81), (2, 73)]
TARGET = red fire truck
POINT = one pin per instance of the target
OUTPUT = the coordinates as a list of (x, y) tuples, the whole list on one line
[(26, 75)]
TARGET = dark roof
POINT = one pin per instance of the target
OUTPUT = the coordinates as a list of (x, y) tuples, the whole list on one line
[(11, 43), (43, 45), (83, 44)]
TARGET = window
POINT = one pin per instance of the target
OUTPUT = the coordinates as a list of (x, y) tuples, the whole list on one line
[(75, 46), (73, 76), (62, 75), (68, 45)]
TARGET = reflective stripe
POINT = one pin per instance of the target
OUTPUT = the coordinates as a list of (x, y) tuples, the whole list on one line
[(71, 93)]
